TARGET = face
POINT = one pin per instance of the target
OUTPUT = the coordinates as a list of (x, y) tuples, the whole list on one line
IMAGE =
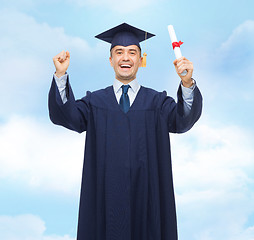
[(125, 61)]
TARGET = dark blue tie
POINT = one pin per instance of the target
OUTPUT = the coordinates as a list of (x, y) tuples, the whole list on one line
[(124, 100)]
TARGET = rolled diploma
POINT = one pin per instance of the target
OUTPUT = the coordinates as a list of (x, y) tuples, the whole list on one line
[(177, 50)]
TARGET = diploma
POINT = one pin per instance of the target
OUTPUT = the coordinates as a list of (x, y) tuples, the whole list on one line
[(176, 45)]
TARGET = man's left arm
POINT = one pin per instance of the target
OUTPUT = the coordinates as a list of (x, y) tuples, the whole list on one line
[(181, 116), (187, 82)]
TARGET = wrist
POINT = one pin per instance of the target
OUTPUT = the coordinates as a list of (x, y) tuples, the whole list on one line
[(59, 74), (188, 84)]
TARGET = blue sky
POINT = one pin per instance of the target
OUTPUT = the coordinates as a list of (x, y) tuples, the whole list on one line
[(213, 164)]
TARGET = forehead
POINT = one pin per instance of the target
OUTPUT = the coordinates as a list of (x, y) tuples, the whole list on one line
[(130, 47)]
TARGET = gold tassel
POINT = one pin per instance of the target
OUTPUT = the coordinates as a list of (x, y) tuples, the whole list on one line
[(144, 60)]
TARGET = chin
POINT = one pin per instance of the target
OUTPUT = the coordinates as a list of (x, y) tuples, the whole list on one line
[(126, 78), (128, 75)]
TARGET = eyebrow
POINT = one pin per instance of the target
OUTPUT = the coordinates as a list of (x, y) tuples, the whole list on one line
[(121, 49), (118, 49)]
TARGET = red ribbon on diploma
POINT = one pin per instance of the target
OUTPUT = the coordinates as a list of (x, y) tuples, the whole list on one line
[(176, 44)]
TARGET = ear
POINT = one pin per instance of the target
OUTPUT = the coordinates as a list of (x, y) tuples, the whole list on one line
[(140, 61), (110, 60)]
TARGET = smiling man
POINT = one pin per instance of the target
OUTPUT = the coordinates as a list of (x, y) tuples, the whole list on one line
[(127, 187)]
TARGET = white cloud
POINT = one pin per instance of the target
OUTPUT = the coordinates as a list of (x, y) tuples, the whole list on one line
[(22, 34), (115, 5), (108, 5), (241, 40), (224, 74), (26, 227), (22, 4), (235, 57), (27, 48), (213, 173), (41, 156)]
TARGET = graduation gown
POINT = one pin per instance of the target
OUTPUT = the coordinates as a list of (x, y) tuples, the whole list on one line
[(127, 186)]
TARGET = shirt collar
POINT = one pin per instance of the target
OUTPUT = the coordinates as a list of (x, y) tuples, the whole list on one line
[(133, 84)]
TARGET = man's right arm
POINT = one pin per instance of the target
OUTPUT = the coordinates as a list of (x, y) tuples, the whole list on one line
[(61, 62), (72, 114)]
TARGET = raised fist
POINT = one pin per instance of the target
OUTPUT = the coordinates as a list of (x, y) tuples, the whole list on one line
[(61, 61)]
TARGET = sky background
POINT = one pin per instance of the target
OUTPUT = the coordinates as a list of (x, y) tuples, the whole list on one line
[(41, 164)]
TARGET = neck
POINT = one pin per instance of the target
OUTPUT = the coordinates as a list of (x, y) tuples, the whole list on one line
[(125, 82)]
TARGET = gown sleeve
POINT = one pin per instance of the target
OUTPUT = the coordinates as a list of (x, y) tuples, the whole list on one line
[(73, 114), (173, 112)]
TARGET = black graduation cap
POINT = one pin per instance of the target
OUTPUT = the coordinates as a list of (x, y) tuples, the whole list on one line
[(124, 35)]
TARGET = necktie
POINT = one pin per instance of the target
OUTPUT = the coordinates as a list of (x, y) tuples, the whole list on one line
[(124, 100)]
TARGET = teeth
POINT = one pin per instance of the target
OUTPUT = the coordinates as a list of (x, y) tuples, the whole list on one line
[(128, 66)]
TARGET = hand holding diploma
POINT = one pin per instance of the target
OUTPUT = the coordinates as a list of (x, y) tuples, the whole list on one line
[(183, 66)]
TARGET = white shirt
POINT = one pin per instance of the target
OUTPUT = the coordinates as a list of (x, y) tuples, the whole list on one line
[(132, 91), (187, 93)]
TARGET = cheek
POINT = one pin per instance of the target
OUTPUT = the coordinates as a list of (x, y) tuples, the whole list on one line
[(114, 64), (114, 61), (138, 62)]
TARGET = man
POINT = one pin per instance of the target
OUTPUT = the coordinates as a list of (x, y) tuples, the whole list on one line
[(127, 187)]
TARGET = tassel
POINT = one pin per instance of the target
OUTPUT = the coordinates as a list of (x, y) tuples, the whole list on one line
[(144, 60)]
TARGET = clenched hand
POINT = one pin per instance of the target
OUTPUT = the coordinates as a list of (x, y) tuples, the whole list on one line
[(61, 61)]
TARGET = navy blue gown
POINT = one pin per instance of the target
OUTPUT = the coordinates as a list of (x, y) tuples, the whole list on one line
[(127, 186)]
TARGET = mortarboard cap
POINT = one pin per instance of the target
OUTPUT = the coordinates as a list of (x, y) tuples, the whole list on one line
[(124, 35)]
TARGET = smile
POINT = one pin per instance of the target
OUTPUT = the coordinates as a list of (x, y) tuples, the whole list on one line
[(125, 66)]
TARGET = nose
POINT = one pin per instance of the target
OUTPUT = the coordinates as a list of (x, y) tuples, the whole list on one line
[(125, 56)]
